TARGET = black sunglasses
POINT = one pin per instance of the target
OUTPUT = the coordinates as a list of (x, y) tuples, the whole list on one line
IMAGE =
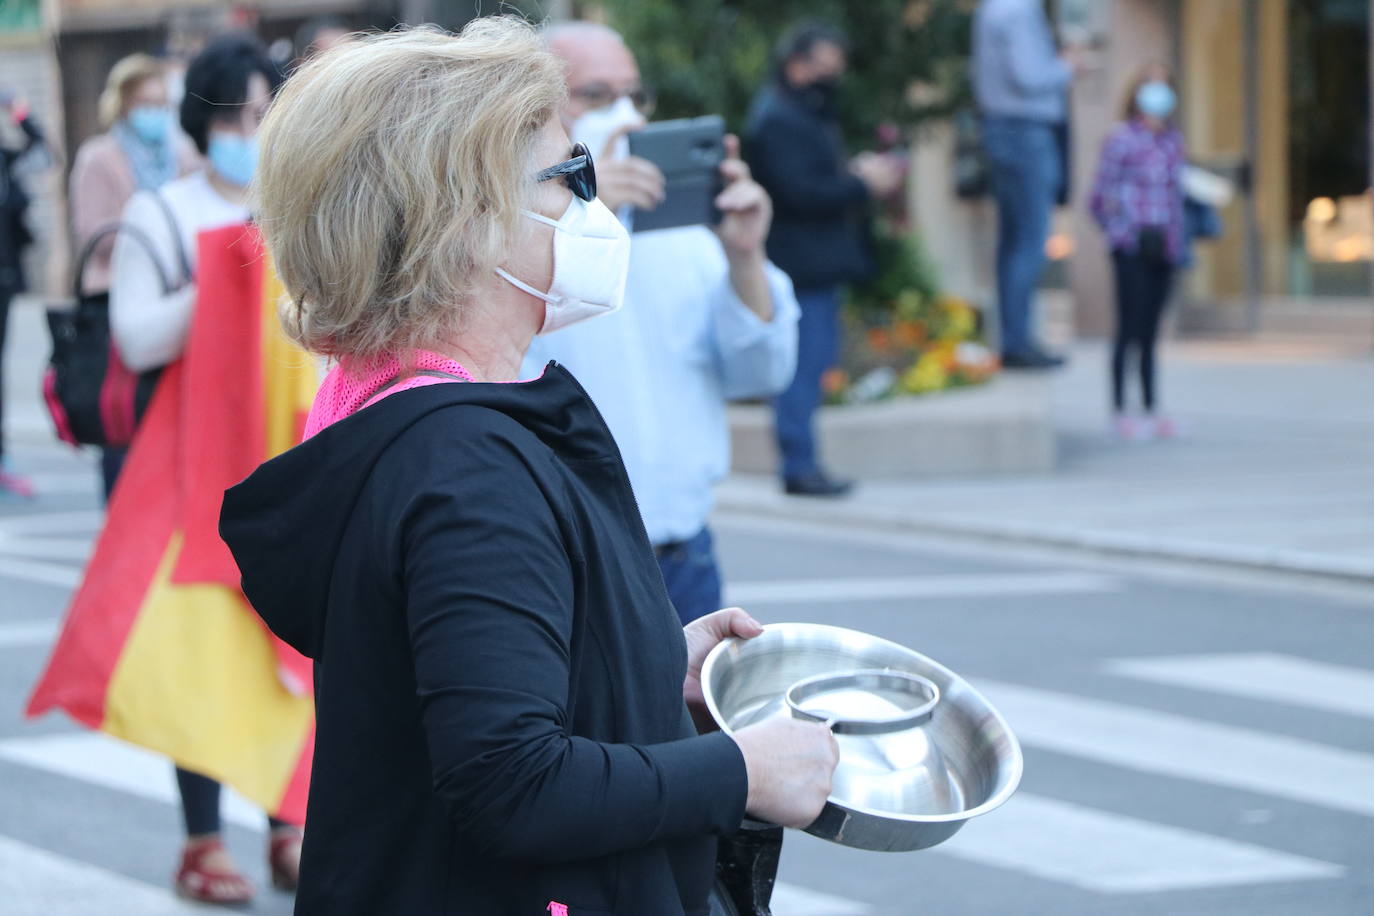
[(578, 173)]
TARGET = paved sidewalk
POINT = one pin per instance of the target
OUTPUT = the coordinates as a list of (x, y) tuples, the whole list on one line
[(1276, 469)]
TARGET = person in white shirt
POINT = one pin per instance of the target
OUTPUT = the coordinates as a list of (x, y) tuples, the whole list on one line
[(228, 88), (707, 319)]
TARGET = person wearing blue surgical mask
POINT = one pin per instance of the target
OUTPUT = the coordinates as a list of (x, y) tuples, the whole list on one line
[(1137, 199), (141, 149), (228, 88)]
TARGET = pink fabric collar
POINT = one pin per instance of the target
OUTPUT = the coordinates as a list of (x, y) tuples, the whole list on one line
[(346, 390)]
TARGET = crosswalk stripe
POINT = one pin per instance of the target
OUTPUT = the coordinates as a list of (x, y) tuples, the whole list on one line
[(1172, 745), (85, 521), (1261, 676), (27, 633), (791, 900), (40, 571), (791, 591), (35, 882), (103, 761), (48, 548), (1115, 854)]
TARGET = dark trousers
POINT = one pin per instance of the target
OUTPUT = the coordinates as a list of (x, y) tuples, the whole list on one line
[(1024, 167), (200, 804), (818, 344), (691, 576), (5, 297), (1142, 290)]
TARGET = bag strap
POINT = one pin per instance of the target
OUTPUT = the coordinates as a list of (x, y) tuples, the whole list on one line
[(134, 233), (182, 257)]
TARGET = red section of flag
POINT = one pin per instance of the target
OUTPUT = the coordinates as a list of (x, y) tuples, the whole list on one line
[(223, 414), (140, 521)]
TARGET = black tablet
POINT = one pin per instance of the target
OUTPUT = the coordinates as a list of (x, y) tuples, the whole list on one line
[(689, 153)]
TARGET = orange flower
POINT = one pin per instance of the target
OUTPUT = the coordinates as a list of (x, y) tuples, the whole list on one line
[(879, 339), (909, 333), (834, 381)]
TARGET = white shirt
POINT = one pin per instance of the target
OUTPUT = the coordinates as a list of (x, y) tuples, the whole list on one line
[(149, 326), (662, 368)]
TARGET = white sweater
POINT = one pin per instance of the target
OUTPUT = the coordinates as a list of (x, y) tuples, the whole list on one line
[(149, 327)]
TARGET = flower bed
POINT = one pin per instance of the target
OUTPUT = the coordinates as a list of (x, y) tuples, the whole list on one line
[(902, 336)]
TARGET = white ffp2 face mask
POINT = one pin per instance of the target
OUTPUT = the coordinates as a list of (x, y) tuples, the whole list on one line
[(595, 128), (591, 261)]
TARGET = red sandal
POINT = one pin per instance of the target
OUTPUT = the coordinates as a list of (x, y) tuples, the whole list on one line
[(284, 857), (204, 883)]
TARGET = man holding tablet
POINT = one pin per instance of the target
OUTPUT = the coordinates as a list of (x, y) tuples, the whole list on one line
[(707, 319)]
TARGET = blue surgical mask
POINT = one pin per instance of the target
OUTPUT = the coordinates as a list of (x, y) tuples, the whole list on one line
[(1156, 99), (150, 124), (235, 158)]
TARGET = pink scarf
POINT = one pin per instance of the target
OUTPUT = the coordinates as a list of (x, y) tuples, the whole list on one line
[(345, 392)]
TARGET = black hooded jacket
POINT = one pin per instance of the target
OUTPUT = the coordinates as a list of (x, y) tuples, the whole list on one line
[(498, 670)]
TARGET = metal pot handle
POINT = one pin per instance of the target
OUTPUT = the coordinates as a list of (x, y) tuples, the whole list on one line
[(866, 679)]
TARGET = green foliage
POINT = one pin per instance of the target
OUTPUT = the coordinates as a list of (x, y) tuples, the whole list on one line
[(905, 283), (907, 59)]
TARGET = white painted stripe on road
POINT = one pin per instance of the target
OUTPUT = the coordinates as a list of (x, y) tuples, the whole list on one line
[(1261, 676), (104, 761), (27, 633), (1171, 745), (793, 591), (35, 882), (39, 571), (1114, 854), (791, 900), (41, 548), (86, 521)]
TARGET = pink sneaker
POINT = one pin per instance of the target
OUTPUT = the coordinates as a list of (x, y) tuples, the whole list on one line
[(1164, 428), (1128, 428), (12, 484)]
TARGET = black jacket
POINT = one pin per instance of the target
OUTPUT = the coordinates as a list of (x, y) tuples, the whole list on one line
[(14, 203), (820, 209), (498, 669)]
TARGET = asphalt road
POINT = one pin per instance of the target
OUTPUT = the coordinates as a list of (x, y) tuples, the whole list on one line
[(1193, 744)]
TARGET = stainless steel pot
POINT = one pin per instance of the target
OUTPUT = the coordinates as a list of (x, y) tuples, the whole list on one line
[(898, 786)]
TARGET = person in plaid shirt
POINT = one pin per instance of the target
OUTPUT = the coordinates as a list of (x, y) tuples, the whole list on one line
[(1138, 200)]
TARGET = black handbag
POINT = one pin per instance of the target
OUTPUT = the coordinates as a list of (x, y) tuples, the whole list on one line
[(92, 397)]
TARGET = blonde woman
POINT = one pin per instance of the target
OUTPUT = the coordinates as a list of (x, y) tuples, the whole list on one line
[(500, 677), (141, 149)]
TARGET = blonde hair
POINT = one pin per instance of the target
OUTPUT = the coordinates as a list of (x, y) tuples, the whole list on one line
[(392, 173), (124, 78)]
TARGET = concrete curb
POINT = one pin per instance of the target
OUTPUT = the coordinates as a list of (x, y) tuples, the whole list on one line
[(754, 500)]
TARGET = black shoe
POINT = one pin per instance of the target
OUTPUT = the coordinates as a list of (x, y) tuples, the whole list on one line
[(816, 484), (1031, 358)]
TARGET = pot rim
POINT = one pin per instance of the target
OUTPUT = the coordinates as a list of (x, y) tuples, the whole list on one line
[(1016, 763)]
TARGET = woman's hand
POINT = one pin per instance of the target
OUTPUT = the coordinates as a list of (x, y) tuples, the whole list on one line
[(702, 636), (790, 764)]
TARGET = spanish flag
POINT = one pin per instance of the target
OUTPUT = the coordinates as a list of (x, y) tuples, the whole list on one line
[(160, 647)]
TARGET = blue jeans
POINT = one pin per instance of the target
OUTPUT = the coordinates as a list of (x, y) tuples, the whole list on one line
[(691, 575), (818, 343), (1023, 163)]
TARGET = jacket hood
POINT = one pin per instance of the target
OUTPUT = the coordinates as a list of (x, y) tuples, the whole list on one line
[(284, 524)]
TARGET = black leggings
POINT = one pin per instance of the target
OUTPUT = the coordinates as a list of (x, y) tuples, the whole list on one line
[(200, 804), (1142, 290), (5, 297)]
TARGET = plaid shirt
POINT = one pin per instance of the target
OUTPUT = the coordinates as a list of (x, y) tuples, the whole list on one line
[(1138, 187)]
